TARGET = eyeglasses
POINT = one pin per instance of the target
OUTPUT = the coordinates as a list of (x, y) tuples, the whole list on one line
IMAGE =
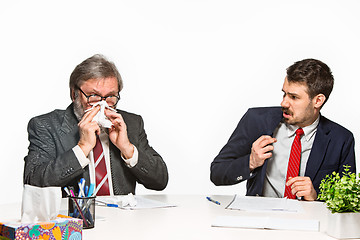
[(93, 98)]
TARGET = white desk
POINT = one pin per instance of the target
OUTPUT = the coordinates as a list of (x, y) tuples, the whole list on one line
[(191, 219)]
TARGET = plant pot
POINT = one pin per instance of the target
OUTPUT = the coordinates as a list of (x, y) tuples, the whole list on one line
[(343, 225)]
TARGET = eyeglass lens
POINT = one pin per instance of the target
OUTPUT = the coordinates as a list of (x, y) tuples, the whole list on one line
[(111, 100)]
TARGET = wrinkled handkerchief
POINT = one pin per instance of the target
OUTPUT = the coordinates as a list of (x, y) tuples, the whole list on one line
[(100, 117)]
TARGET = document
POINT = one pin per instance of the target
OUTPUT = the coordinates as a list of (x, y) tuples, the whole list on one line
[(145, 203), (139, 202), (267, 223), (248, 203)]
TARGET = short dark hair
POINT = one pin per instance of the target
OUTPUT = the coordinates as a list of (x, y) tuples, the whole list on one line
[(316, 74), (94, 67)]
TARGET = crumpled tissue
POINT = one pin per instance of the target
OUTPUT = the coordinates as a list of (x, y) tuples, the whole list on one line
[(128, 200), (121, 200), (40, 204), (100, 117)]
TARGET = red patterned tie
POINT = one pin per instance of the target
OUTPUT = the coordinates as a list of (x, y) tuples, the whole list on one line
[(100, 170), (294, 162)]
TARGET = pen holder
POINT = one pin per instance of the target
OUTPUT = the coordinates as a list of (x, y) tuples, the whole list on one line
[(83, 208)]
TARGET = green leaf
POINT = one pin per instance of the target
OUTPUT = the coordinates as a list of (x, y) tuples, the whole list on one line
[(341, 194)]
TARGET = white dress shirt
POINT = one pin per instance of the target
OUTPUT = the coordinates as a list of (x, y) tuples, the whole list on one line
[(275, 179), (84, 161)]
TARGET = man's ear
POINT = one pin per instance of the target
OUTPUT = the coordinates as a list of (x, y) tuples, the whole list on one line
[(72, 94), (319, 100)]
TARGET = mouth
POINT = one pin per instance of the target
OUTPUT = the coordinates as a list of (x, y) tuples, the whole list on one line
[(286, 113)]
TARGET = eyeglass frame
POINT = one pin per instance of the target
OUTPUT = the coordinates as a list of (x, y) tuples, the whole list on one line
[(102, 98)]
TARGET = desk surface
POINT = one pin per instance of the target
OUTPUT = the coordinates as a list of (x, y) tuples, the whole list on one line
[(191, 219)]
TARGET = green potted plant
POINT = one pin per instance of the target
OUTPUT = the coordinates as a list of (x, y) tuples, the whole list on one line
[(341, 195)]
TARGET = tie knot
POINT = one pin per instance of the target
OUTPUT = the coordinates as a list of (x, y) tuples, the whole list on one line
[(299, 132)]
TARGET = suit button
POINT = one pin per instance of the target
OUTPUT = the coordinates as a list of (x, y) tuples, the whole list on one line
[(239, 178)]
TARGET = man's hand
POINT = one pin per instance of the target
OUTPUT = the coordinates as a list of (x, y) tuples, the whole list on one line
[(260, 151), (302, 187), (118, 134), (88, 131)]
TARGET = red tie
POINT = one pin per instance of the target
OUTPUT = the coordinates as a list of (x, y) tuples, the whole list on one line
[(294, 162), (102, 182)]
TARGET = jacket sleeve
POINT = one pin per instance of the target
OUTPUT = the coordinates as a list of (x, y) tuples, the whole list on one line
[(348, 155), (151, 170), (46, 164), (231, 165)]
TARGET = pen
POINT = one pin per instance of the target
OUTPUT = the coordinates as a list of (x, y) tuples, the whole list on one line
[(81, 187), (112, 205), (91, 189), (78, 207), (108, 204), (86, 190), (67, 191), (212, 200)]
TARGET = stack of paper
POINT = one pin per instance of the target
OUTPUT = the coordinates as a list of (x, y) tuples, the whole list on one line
[(140, 202), (265, 204), (267, 223)]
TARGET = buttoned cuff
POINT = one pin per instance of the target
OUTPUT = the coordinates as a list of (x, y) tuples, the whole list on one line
[(83, 160), (131, 162)]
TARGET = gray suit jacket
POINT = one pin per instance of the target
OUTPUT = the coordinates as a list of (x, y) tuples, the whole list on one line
[(52, 162)]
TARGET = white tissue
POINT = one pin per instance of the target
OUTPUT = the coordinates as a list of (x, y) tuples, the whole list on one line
[(100, 117), (128, 200), (120, 200), (40, 204)]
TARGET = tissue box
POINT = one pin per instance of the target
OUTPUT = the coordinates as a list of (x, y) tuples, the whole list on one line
[(62, 228)]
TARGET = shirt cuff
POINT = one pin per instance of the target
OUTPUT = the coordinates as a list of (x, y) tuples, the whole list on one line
[(131, 162), (83, 160)]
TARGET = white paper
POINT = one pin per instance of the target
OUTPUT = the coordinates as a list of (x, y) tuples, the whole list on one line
[(40, 204), (100, 117), (141, 202), (267, 223), (145, 203), (248, 203)]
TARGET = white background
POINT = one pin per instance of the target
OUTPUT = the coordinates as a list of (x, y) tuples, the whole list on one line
[(191, 68)]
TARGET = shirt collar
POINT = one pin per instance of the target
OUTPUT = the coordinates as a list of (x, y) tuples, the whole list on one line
[(309, 131)]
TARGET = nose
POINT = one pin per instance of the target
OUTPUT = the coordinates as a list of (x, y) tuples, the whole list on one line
[(284, 103)]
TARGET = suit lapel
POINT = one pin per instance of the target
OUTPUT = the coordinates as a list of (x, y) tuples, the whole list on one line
[(318, 149), (69, 132), (273, 122)]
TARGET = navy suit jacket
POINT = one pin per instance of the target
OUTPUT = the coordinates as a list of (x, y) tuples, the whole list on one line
[(333, 148)]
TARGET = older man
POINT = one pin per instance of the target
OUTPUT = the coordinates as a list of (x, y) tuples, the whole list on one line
[(67, 145)]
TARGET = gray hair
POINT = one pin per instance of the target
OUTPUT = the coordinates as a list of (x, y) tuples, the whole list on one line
[(95, 67)]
